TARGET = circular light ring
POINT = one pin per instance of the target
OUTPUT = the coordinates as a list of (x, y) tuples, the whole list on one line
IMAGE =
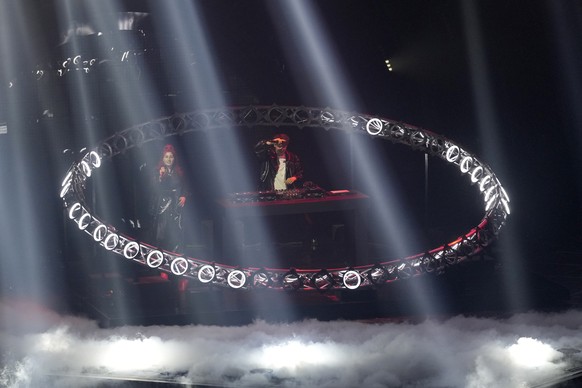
[(374, 126), (67, 179), (206, 273), (131, 250), (99, 232), (453, 153), (111, 241), (155, 258), (476, 174), (84, 221), (496, 200), (236, 279), (484, 181), (74, 209), (179, 266), (466, 164), (65, 189), (85, 168), (352, 279), (94, 159)]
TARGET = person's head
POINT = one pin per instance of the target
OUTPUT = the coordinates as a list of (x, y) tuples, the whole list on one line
[(281, 141), (168, 155)]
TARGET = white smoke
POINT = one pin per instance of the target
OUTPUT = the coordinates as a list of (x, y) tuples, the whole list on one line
[(41, 348)]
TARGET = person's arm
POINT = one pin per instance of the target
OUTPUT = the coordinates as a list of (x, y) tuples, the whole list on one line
[(296, 170), (184, 189), (262, 149)]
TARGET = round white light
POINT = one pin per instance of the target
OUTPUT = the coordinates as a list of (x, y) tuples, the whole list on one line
[(236, 279), (84, 221), (206, 273), (155, 258), (374, 126), (86, 168), (67, 179), (65, 189), (131, 250), (99, 232), (476, 174), (352, 279), (453, 153), (74, 209), (179, 266), (95, 159), (466, 164), (486, 179), (111, 241)]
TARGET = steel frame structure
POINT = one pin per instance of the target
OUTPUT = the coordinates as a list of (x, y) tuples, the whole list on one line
[(479, 174)]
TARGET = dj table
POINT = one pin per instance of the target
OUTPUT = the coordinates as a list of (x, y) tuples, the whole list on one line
[(236, 212)]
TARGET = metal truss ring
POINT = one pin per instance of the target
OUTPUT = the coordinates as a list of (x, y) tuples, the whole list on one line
[(495, 199)]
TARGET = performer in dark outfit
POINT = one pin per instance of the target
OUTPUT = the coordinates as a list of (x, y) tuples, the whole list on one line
[(280, 169), (169, 200)]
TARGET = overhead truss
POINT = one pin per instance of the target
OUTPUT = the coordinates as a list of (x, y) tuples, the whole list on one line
[(479, 174)]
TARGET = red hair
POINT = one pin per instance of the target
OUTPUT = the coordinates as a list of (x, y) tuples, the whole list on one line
[(170, 148)]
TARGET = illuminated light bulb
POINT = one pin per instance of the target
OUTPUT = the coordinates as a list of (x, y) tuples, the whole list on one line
[(484, 182), (453, 153), (352, 279), (99, 232), (155, 258), (111, 241), (76, 207), (236, 279), (466, 164), (206, 273), (474, 177), (179, 266), (131, 250), (84, 221)]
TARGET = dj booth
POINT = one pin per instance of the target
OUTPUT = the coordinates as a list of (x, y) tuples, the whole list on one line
[(294, 212)]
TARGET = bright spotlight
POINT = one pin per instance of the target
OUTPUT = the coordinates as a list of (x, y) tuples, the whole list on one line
[(388, 64)]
